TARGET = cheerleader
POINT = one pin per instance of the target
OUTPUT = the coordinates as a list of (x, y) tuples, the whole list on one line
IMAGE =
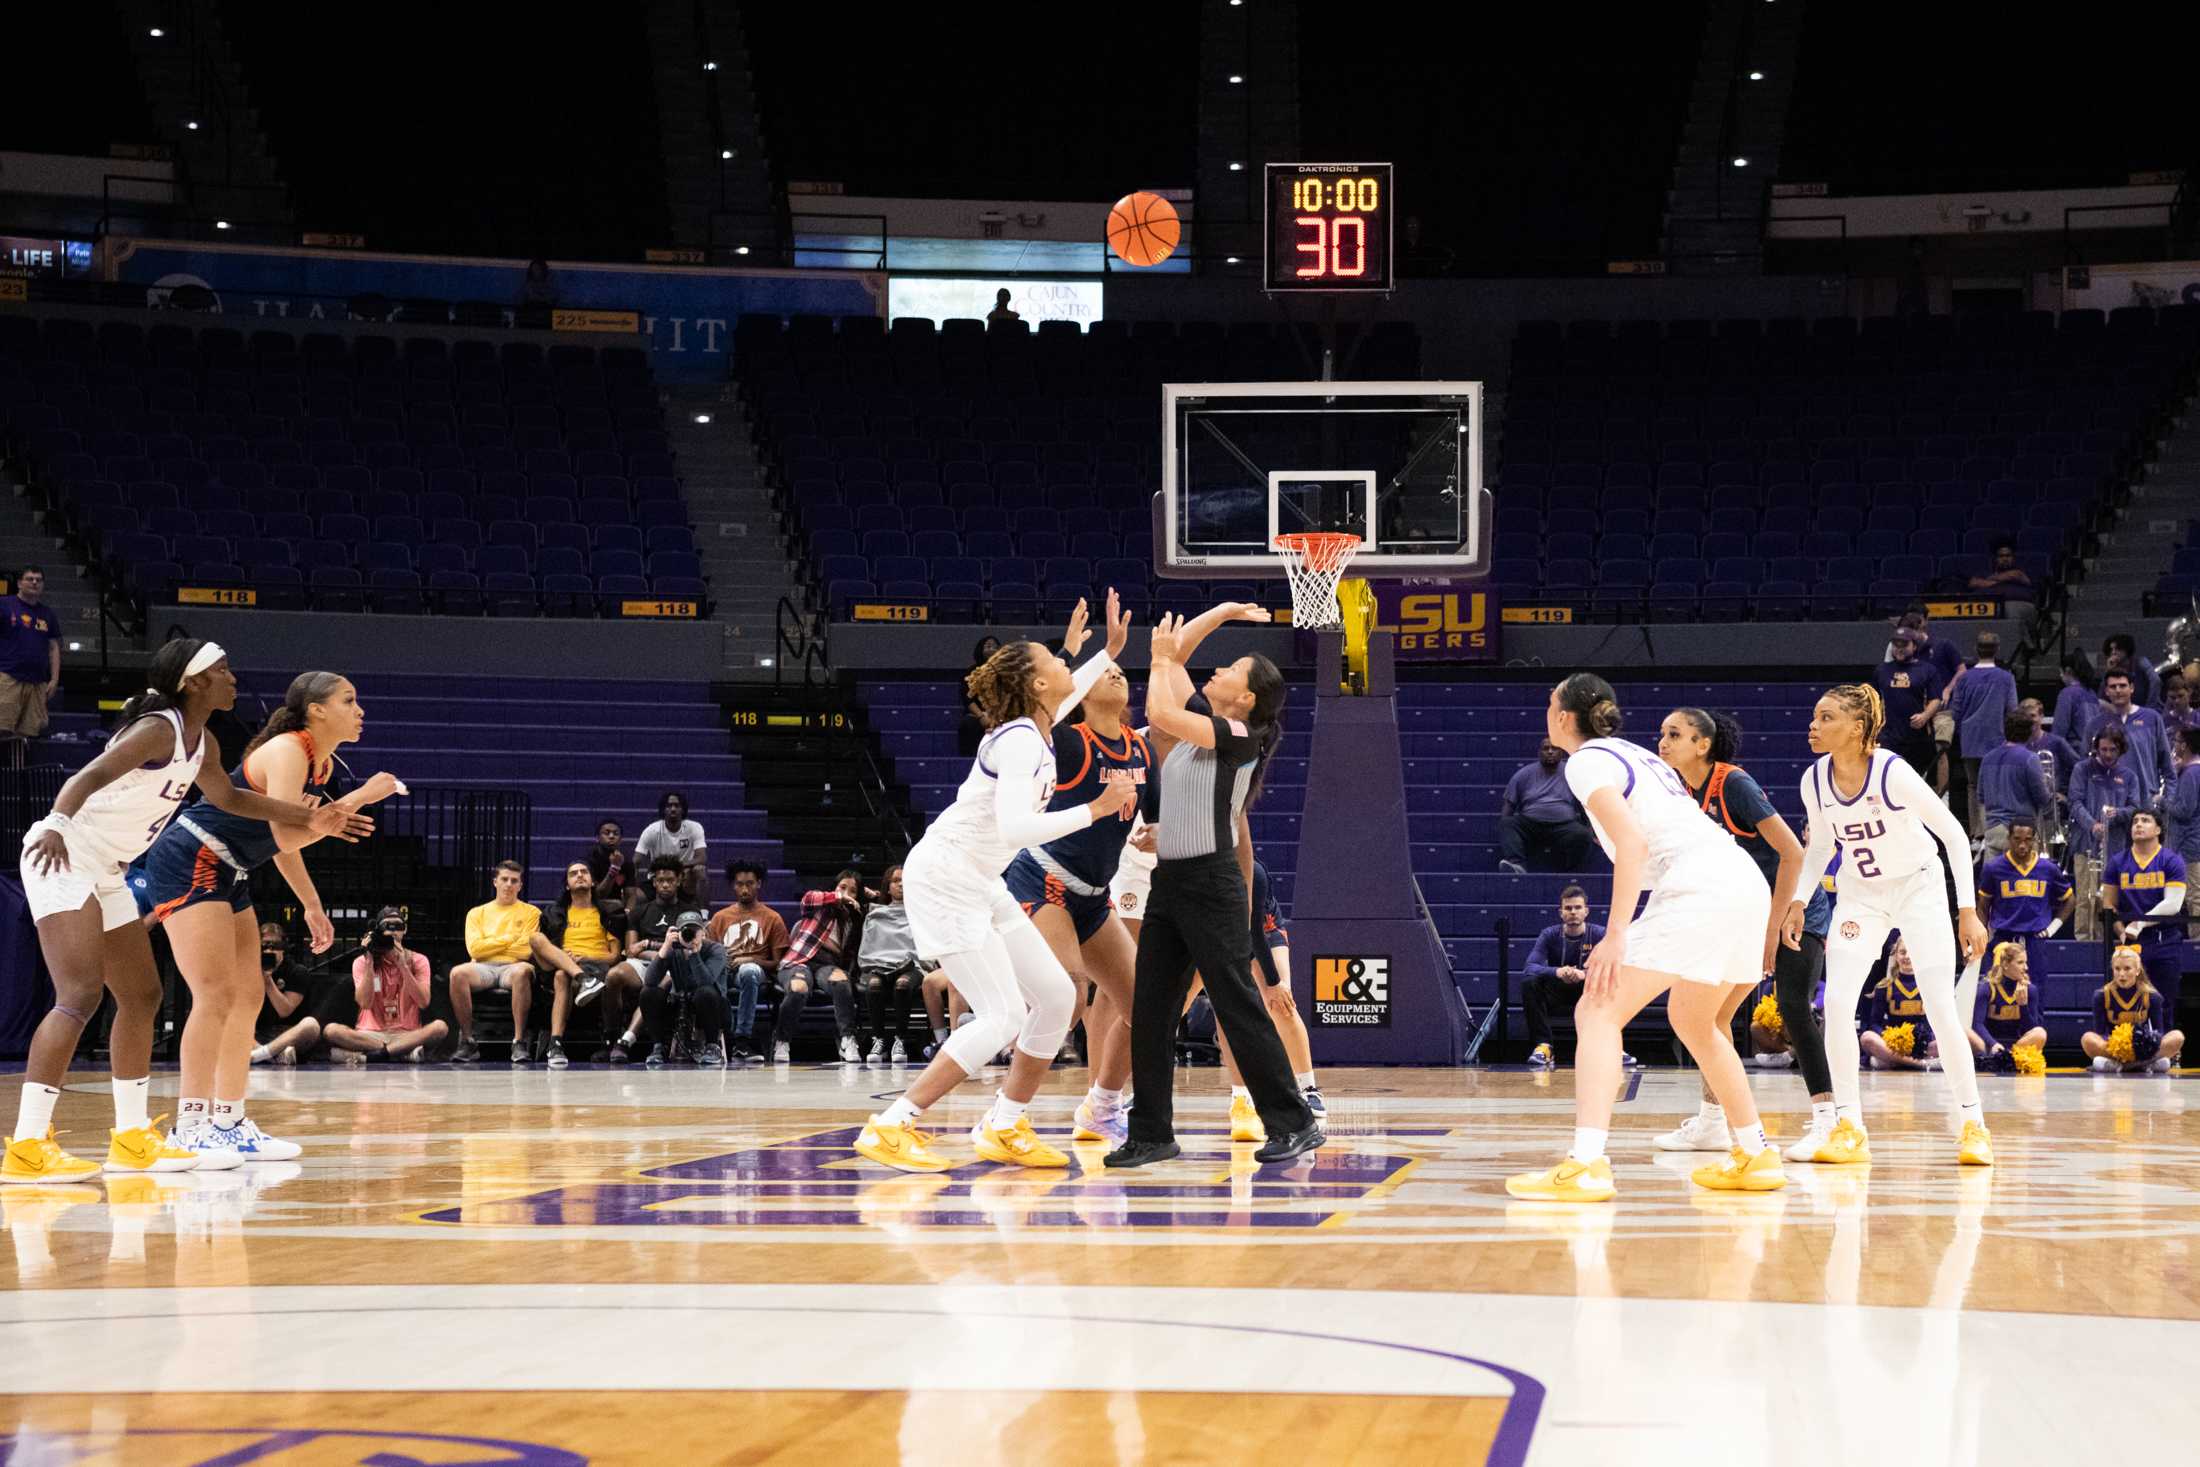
[(963, 917), (1895, 1024), (1701, 936), (2007, 1015), (1886, 822), (88, 929), (199, 879), (1701, 747), (2127, 1020)]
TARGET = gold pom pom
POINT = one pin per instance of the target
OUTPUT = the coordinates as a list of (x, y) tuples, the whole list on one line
[(2029, 1059), (1901, 1038), (1766, 1016), (2119, 1044)]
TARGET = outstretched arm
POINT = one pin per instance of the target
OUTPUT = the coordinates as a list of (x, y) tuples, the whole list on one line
[(339, 820)]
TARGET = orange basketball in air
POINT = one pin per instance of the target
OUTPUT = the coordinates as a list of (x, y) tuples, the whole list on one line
[(1143, 229)]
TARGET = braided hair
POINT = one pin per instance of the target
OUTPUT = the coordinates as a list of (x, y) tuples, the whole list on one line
[(1000, 687), (1595, 708), (1861, 701), (1723, 729)]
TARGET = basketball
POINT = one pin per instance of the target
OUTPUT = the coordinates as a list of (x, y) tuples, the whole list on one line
[(1143, 229)]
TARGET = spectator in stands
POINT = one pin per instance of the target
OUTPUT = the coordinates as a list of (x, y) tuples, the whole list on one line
[(1910, 687), (673, 834), (390, 983), (2079, 702), (608, 864), (2010, 787), (2061, 753), (1556, 966), (287, 1028), (2005, 578), (645, 939), (2120, 653), (2146, 740), (500, 937), (822, 935), (1984, 697), (686, 967), (972, 729), (1947, 662), (1540, 825), (2103, 793), (887, 967), (755, 939), (1001, 315), (2177, 703), (581, 946), (2024, 897), (2181, 808), (539, 287), (30, 663)]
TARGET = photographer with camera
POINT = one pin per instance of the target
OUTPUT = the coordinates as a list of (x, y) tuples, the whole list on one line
[(686, 968), (287, 1028), (390, 982)]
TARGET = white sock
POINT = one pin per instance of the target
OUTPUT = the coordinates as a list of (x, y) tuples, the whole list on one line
[(1854, 1114), (261, 1054), (1307, 1081), (34, 1113), (1104, 1099), (1588, 1143), (1711, 1110), (192, 1112), (1005, 1113), (900, 1113), (228, 1113), (1975, 1111), (939, 1034), (1751, 1138), (1821, 1116), (130, 1107)]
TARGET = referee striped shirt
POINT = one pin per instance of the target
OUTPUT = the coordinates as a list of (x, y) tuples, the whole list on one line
[(1203, 791)]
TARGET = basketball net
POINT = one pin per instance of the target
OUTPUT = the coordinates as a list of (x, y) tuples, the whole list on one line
[(1314, 561)]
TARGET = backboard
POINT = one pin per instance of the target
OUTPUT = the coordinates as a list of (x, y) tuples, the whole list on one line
[(1397, 463)]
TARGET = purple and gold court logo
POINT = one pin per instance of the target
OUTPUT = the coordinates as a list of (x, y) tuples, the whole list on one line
[(1352, 991)]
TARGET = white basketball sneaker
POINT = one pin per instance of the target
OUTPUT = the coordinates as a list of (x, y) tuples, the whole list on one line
[(210, 1144), (1698, 1133), (1808, 1147), (253, 1144)]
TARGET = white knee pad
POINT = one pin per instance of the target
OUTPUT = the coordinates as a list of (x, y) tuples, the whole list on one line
[(1049, 993), (974, 1045)]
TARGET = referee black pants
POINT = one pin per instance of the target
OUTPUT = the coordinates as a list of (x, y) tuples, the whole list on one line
[(1196, 919)]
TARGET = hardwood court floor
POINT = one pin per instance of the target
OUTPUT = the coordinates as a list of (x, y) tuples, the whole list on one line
[(678, 1266)]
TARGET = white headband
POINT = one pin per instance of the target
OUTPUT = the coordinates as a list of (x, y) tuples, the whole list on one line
[(207, 656)]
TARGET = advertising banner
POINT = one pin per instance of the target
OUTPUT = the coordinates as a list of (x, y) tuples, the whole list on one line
[(1438, 620), (941, 299), (686, 314), (2105, 287)]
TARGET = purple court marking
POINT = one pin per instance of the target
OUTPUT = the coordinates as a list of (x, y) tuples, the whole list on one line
[(1509, 1448), (273, 1442)]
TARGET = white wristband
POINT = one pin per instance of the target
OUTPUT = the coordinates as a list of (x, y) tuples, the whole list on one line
[(55, 821), (2053, 928)]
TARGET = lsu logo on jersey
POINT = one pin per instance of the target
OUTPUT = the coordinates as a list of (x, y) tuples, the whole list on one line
[(1354, 991)]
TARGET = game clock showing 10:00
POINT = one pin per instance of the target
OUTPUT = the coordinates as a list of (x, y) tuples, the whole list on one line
[(1329, 226)]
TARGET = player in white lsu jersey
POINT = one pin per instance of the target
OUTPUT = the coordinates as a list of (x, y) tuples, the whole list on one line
[(1893, 833)]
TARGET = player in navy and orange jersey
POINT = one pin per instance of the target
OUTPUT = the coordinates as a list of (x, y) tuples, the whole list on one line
[(2129, 997), (1064, 886)]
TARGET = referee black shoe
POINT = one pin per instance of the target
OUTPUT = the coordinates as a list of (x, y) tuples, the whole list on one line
[(1144, 1153), (1292, 1143)]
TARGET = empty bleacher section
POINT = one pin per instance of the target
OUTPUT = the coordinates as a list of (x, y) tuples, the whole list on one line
[(1461, 742), (1828, 468), (993, 473), (349, 471)]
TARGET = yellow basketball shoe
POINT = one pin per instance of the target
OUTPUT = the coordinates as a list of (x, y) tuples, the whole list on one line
[(1743, 1173), (1245, 1120), (1569, 1181), (1016, 1145), (1975, 1147), (35, 1160), (1845, 1145), (145, 1149), (904, 1148)]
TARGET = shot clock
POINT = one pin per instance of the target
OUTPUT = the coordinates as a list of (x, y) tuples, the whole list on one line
[(1329, 226)]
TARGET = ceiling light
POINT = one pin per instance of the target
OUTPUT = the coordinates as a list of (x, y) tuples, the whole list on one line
[(702, 417), (1237, 81), (156, 33), (1741, 162), (221, 224), (191, 127), (1237, 167), (1230, 259), (740, 249), (1756, 76), (710, 66), (724, 154)]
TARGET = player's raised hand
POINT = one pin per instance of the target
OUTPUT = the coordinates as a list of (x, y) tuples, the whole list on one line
[(1119, 624), (1166, 634), (1248, 611), (1073, 640)]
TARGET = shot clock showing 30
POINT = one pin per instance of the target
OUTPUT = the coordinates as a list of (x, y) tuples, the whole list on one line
[(1329, 226)]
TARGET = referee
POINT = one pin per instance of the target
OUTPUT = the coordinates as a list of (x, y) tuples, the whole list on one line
[(1197, 914)]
